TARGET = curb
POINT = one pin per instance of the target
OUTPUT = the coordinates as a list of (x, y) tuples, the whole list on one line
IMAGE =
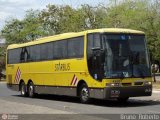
[(156, 90), (2, 81)]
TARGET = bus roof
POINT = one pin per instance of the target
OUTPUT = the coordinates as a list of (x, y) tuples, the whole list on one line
[(115, 30), (74, 34)]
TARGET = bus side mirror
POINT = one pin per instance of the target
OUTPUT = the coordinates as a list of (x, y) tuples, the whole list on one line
[(100, 53), (96, 49)]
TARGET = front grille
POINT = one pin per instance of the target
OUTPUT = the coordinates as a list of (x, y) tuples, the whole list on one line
[(126, 84)]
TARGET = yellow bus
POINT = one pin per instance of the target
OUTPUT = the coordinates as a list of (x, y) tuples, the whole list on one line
[(101, 63)]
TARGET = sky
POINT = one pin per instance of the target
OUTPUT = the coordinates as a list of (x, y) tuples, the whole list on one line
[(17, 8)]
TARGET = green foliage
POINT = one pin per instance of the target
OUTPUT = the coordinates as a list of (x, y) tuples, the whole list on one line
[(2, 57), (19, 31), (134, 14)]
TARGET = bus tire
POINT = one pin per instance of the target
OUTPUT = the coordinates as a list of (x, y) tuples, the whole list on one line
[(84, 93), (123, 100), (23, 89), (31, 90)]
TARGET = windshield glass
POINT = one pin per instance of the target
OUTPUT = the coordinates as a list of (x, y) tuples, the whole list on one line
[(125, 56)]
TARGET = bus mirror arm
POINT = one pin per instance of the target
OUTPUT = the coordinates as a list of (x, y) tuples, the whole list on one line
[(97, 49)]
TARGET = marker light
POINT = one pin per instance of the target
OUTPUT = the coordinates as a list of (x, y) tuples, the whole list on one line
[(113, 84)]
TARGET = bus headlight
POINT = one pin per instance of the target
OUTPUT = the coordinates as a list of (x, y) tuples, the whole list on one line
[(147, 83), (113, 84)]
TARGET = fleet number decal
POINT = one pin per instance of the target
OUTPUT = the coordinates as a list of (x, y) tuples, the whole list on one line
[(62, 67)]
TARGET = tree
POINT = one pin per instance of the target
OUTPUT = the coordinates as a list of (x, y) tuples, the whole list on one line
[(93, 17), (19, 31), (134, 14), (12, 30)]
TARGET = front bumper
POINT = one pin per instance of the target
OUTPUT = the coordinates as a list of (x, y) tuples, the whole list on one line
[(123, 92)]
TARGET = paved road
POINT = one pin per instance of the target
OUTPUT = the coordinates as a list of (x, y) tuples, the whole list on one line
[(158, 77), (12, 103)]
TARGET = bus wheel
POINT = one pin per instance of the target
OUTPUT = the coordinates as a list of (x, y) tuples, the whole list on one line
[(123, 100), (84, 94), (31, 90), (23, 89)]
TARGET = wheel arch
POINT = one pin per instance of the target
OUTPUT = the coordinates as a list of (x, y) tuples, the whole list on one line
[(20, 82), (29, 81), (79, 85)]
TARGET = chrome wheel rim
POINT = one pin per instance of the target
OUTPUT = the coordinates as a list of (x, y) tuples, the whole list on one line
[(23, 90), (31, 90), (85, 94)]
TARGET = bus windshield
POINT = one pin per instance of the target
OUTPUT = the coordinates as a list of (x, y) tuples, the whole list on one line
[(125, 56)]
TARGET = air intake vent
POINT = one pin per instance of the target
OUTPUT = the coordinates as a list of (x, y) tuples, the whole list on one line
[(126, 84), (138, 83)]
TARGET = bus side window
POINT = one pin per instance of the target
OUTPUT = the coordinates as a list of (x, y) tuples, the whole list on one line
[(60, 49), (50, 51), (35, 53), (13, 56), (76, 47), (93, 42), (44, 51), (24, 55)]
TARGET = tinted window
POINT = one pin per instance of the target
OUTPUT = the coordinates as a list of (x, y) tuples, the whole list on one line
[(24, 55), (47, 51), (60, 49), (35, 53), (50, 50), (75, 47), (93, 42), (44, 51), (14, 56)]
